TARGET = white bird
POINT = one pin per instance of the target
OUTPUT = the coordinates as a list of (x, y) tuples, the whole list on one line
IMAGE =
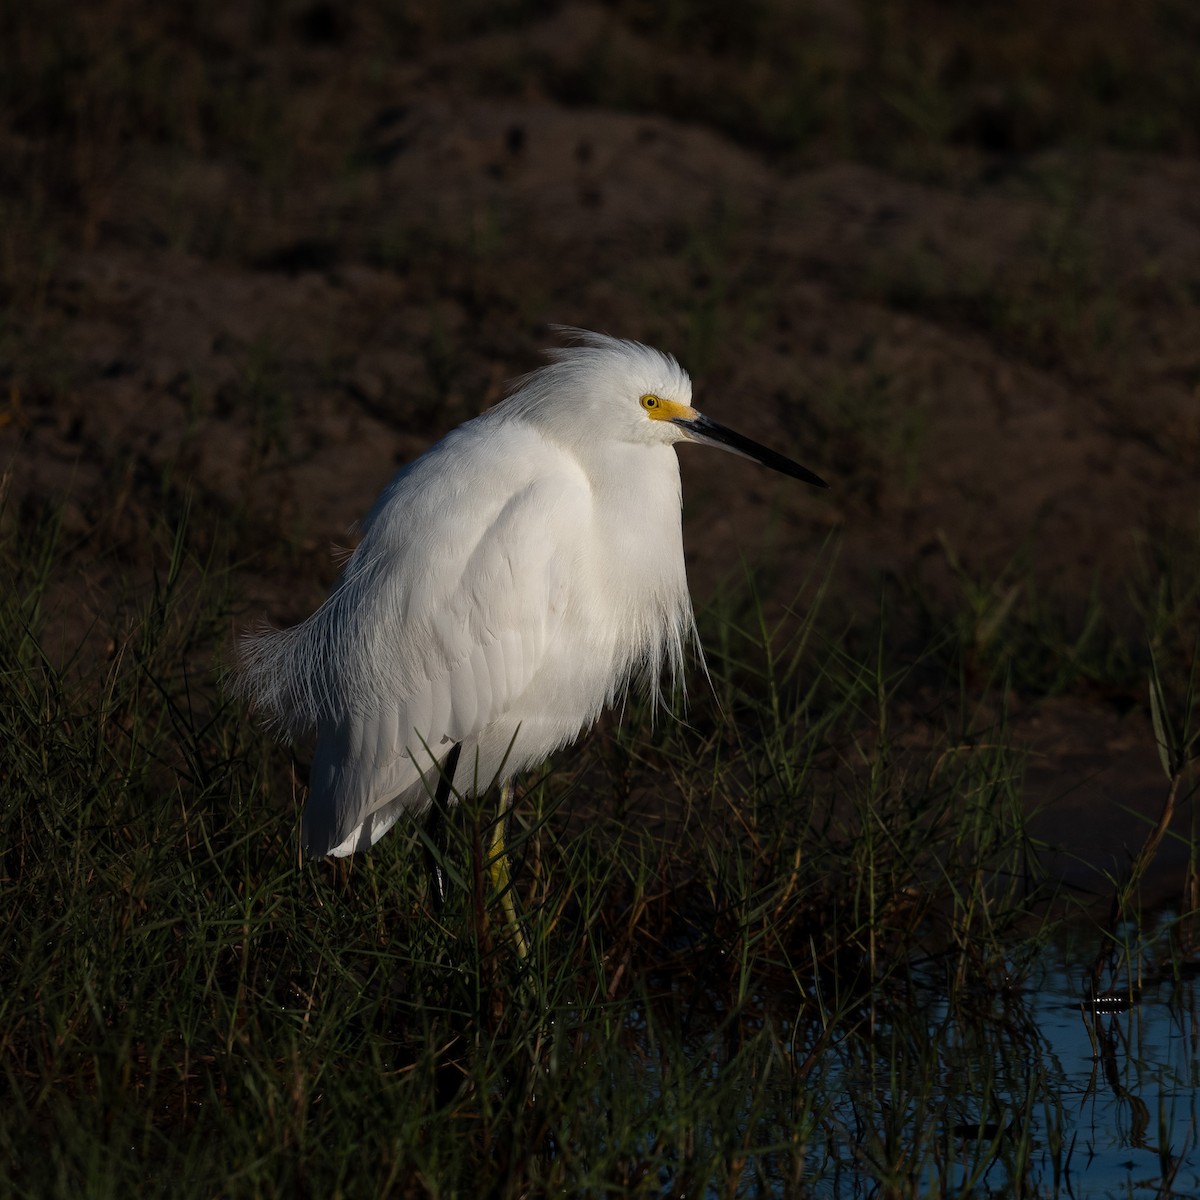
[(510, 584)]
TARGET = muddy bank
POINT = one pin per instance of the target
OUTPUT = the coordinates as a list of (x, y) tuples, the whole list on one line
[(262, 261)]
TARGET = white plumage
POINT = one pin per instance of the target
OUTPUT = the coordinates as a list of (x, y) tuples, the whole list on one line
[(510, 584)]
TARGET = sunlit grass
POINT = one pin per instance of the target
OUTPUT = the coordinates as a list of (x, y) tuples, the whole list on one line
[(780, 947), (738, 925)]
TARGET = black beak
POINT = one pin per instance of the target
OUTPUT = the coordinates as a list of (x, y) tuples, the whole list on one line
[(701, 429)]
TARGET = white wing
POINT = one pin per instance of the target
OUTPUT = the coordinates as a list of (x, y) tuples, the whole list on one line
[(438, 624)]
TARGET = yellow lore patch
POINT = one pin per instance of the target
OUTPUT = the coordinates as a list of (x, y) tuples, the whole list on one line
[(658, 409)]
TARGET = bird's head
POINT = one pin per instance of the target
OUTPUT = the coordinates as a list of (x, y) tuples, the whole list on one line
[(624, 390)]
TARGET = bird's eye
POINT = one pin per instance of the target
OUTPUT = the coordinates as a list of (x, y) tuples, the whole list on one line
[(650, 402)]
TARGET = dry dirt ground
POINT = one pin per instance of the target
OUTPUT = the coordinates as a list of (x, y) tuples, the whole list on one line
[(262, 256)]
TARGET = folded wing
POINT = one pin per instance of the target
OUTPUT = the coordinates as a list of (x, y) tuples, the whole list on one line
[(438, 624)]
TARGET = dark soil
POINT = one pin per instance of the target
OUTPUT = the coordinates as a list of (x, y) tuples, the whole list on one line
[(259, 255)]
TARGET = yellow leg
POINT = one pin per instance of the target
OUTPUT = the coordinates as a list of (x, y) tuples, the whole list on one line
[(498, 869)]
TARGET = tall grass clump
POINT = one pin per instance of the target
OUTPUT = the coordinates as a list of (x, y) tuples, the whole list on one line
[(771, 944)]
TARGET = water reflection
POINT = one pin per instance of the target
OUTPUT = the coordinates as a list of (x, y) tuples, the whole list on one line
[(1130, 1072), (939, 1090), (1056, 1092)]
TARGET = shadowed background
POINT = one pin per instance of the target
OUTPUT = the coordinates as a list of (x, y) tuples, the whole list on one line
[(253, 257)]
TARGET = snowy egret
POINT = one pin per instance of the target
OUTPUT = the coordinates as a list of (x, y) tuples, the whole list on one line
[(510, 584)]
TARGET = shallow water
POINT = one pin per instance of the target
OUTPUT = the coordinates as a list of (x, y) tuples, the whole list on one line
[(1127, 1079), (1030, 1090), (1065, 1096)]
